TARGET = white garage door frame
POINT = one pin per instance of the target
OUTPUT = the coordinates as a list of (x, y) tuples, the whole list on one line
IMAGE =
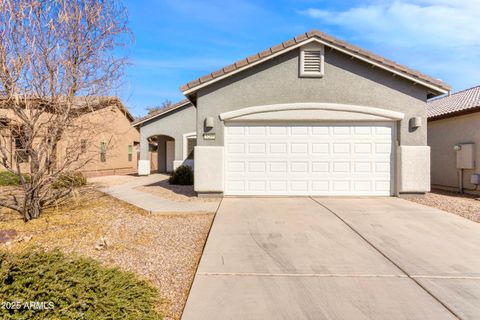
[(229, 191)]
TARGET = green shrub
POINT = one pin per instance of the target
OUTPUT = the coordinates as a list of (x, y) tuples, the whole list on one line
[(77, 288), (10, 179), (183, 175), (70, 180)]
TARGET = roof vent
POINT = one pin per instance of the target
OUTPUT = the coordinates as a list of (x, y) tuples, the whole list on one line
[(311, 61)]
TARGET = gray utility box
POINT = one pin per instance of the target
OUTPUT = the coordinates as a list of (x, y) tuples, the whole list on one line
[(465, 156), (475, 179)]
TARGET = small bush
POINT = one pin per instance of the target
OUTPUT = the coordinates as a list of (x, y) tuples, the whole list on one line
[(183, 175), (70, 180), (71, 288), (10, 179)]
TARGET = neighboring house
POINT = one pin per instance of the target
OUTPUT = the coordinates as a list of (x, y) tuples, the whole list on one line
[(108, 140), (454, 131), (311, 116), (173, 130)]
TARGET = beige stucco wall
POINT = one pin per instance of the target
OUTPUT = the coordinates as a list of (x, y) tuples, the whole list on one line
[(110, 125), (442, 136), (113, 127)]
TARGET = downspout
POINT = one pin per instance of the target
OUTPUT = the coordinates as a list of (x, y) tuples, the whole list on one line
[(460, 180)]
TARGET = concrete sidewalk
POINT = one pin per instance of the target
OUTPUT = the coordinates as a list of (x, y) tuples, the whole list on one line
[(155, 204), (303, 258)]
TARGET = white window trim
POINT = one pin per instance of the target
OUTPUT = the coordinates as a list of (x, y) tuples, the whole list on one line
[(186, 136)]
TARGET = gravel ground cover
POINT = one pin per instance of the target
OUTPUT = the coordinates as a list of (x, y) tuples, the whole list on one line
[(110, 181), (168, 191), (164, 249), (464, 205)]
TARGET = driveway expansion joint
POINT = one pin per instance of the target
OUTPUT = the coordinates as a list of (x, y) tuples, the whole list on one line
[(301, 275), (387, 257)]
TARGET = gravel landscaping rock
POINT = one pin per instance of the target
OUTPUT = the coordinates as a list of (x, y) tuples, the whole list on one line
[(172, 192), (110, 181), (464, 205), (164, 249)]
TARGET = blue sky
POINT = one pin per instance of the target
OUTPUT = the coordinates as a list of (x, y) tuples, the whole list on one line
[(179, 40)]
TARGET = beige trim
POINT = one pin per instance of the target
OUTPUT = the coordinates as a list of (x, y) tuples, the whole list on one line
[(312, 74), (237, 115), (186, 136), (143, 167), (373, 63)]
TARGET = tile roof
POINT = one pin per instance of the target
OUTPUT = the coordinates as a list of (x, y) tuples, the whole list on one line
[(459, 102), (325, 38), (82, 103), (161, 111)]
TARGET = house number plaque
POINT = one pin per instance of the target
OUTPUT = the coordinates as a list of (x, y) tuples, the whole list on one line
[(209, 136)]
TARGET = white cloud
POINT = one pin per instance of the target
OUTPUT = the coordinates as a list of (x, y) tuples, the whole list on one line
[(441, 36)]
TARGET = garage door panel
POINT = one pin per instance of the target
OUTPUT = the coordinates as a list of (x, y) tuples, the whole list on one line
[(236, 166), (238, 147), (320, 166), (350, 159)]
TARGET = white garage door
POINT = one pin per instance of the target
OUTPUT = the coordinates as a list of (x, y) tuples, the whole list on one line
[(324, 159)]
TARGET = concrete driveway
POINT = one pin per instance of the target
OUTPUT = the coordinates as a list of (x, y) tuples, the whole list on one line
[(337, 258)]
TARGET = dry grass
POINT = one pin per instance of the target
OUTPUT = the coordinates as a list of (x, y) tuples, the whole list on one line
[(464, 205), (164, 249)]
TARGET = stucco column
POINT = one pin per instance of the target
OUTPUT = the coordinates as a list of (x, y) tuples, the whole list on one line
[(144, 162)]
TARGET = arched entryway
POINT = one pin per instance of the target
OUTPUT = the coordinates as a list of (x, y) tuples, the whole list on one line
[(164, 146)]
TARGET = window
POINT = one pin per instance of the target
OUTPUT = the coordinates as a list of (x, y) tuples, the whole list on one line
[(103, 152), (4, 123), (130, 152), (21, 152), (83, 146), (20, 139), (311, 60), (191, 143)]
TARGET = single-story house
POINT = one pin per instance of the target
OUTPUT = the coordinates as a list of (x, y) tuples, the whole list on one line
[(454, 137), (313, 115), (107, 140)]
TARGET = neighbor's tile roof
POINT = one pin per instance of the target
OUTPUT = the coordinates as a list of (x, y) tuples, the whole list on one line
[(79, 103), (326, 38), (462, 101), (161, 111)]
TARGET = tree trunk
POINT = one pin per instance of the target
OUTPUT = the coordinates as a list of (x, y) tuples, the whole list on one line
[(31, 208)]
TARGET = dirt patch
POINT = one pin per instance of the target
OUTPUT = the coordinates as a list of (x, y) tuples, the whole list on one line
[(463, 205), (171, 192), (164, 249), (110, 181), (7, 235)]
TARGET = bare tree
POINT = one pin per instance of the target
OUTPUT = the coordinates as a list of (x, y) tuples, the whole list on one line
[(165, 104), (56, 58)]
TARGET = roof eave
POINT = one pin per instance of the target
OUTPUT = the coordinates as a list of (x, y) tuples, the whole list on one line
[(455, 114), (135, 124), (437, 89)]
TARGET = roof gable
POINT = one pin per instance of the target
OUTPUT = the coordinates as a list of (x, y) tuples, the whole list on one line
[(437, 86), (161, 112)]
